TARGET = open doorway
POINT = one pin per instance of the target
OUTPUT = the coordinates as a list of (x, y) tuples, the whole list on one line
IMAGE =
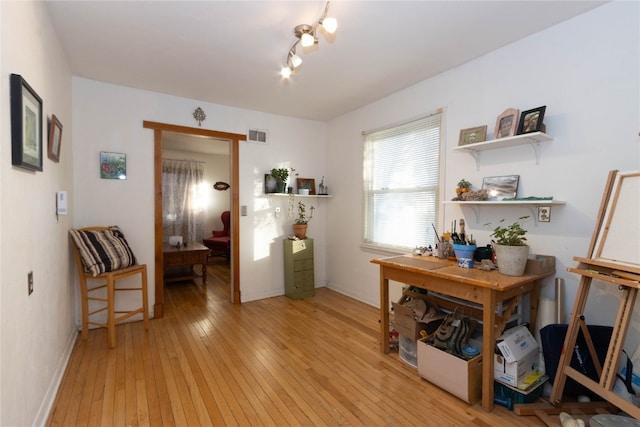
[(233, 140)]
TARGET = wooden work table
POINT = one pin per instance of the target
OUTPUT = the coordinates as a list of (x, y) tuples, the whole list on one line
[(486, 288)]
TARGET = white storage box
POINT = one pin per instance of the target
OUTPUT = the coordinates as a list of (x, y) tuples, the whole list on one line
[(519, 356)]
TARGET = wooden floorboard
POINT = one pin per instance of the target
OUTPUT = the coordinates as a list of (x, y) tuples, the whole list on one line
[(271, 362)]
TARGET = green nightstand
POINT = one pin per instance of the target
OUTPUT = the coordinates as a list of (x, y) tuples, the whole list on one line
[(298, 268)]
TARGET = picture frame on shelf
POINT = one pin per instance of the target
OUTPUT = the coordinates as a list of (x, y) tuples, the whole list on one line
[(507, 123), (113, 165), (307, 184), (26, 125), (473, 135), (531, 120), (501, 187), (270, 184), (55, 139)]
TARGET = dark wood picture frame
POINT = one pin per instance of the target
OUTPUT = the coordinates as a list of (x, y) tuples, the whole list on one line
[(55, 139), (473, 135), (507, 123), (26, 125), (308, 183), (270, 184), (531, 120)]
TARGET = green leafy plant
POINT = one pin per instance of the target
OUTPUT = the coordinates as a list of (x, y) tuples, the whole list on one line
[(280, 174), (463, 183), (511, 235), (301, 216)]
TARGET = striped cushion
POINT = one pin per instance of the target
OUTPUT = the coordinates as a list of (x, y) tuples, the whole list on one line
[(102, 251)]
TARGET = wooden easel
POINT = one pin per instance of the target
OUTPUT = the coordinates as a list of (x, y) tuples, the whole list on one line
[(609, 262)]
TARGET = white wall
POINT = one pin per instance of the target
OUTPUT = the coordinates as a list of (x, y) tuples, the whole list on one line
[(37, 330), (109, 118), (586, 71)]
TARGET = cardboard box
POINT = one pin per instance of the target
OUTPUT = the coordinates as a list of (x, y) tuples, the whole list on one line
[(540, 264), (518, 358), (407, 326), (462, 378)]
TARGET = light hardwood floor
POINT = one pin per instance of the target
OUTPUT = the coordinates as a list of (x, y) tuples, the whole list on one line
[(272, 362)]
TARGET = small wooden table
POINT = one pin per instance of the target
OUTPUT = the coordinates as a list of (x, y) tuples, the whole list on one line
[(487, 288), (191, 254)]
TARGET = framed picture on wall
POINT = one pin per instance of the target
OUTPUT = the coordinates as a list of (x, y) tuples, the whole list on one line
[(113, 165), (26, 125), (55, 139)]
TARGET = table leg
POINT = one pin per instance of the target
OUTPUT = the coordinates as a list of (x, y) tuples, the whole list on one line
[(204, 272), (384, 312), (488, 345)]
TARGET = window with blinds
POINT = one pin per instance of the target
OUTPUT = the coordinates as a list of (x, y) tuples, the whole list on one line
[(401, 183)]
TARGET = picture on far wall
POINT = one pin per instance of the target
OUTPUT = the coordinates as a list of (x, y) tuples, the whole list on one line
[(113, 165), (507, 123), (26, 125), (55, 139), (531, 120)]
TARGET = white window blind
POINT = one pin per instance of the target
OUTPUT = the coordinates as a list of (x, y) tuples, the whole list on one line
[(401, 182)]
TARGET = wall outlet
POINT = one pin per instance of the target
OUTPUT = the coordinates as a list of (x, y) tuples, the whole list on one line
[(30, 282)]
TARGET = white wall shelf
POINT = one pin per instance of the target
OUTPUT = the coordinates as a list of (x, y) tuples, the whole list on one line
[(533, 139), (533, 205), (311, 196)]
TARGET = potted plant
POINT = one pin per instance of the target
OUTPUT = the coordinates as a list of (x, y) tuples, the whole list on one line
[(280, 175), (300, 219), (464, 186), (511, 248)]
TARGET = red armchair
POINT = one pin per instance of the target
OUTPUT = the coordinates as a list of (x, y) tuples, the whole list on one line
[(220, 241)]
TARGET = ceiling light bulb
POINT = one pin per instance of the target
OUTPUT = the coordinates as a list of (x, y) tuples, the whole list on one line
[(295, 60), (307, 40), (330, 25), (285, 72)]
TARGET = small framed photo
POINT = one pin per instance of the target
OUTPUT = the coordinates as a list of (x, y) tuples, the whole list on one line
[(507, 123), (531, 120), (270, 184), (501, 187), (306, 184), (26, 125), (55, 139), (473, 135), (113, 165)]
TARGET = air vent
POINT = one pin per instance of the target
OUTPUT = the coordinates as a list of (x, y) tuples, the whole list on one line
[(257, 136)]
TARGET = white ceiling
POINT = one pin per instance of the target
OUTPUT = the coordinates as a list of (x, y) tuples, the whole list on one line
[(231, 52)]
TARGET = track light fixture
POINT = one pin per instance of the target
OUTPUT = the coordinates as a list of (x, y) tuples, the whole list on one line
[(306, 35)]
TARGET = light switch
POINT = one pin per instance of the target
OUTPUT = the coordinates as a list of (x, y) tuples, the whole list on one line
[(243, 210)]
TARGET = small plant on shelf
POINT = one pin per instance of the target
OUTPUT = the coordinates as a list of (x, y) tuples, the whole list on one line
[(511, 235), (280, 174)]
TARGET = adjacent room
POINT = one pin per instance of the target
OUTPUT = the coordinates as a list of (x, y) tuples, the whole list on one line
[(304, 213)]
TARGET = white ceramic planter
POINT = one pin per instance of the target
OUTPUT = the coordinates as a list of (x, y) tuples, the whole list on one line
[(512, 260)]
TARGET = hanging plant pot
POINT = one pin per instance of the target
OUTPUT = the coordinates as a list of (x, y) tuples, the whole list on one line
[(300, 230), (512, 260)]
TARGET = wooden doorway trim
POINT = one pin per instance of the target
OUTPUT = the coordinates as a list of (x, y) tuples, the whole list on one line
[(234, 139)]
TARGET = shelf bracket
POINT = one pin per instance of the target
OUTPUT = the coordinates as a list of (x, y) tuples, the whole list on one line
[(536, 151), (476, 156)]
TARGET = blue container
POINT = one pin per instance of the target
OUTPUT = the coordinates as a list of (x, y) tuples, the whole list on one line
[(464, 251)]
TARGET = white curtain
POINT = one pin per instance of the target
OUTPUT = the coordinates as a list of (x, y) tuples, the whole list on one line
[(182, 200)]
